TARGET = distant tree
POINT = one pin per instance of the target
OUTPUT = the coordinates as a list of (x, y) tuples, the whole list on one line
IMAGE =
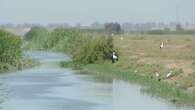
[(113, 28), (37, 36), (97, 25), (36, 33), (166, 29), (179, 27)]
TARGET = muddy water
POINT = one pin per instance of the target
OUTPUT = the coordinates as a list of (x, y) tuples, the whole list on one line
[(49, 87)]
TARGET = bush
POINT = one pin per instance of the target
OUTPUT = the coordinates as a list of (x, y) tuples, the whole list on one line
[(63, 40), (93, 49), (37, 37), (10, 47), (83, 47)]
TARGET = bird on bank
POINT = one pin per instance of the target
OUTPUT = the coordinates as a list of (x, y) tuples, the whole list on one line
[(162, 45), (114, 57), (157, 74), (169, 74)]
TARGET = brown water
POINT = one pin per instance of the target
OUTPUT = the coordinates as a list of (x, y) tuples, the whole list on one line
[(49, 87)]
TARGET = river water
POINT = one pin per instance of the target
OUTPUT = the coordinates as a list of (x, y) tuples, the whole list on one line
[(49, 87)]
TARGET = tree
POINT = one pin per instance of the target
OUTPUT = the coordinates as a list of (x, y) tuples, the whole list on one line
[(37, 36), (179, 27), (113, 27)]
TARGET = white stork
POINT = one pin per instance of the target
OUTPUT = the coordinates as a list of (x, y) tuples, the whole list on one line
[(114, 57), (162, 45)]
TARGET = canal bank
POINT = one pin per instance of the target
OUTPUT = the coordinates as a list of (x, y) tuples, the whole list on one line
[(151, 86)]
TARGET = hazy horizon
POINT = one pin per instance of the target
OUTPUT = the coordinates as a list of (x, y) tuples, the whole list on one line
[(88, 11)]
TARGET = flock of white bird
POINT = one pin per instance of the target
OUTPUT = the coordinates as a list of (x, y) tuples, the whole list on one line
[(169, 74)]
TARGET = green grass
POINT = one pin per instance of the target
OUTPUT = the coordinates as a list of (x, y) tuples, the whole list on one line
[(193, 62)]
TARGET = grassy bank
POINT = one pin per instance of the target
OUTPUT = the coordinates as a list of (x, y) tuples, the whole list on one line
[(19, 65), (142, 53), (150, 85)]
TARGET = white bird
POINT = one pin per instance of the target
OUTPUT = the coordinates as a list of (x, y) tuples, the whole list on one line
[(162, 45), (114, 57), (122, 38), (169, 74), (157, 74)]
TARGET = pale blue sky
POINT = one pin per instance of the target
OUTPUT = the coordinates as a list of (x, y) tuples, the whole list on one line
[(87, 11)]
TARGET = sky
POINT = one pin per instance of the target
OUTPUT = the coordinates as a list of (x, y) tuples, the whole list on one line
[(88, 11)]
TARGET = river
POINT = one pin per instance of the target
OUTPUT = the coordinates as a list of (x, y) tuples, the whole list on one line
[(49, 87)]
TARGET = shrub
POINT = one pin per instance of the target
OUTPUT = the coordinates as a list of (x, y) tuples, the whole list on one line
[(63, 40), (37, 37), (10, 47), (93, 49), (83, 47)]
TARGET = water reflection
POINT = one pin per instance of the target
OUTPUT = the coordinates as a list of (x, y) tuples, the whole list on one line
[(3, 91), (127, 96)]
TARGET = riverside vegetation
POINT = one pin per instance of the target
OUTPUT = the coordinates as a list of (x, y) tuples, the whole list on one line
[(140, 58), (11, 57)]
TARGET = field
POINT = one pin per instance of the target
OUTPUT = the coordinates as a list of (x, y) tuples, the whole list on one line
[(142, 54)]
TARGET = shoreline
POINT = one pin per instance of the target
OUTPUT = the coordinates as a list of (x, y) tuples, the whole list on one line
[(160, 89), (23, 64)]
